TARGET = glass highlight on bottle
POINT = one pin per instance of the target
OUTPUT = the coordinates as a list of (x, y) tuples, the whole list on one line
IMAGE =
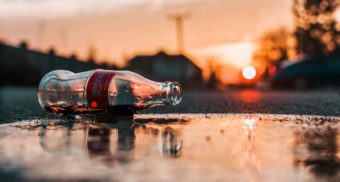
[(104, 91)]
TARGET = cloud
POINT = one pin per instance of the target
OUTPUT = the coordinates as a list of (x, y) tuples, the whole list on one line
[(65, 8)]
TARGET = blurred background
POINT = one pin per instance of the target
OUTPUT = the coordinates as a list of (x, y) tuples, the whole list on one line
[(217, 44)]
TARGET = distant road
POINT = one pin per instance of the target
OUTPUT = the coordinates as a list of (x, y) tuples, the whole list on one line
[(314, 102)]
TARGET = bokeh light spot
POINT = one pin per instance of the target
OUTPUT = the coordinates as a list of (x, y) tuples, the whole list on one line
[(249, 72), (94, 104)]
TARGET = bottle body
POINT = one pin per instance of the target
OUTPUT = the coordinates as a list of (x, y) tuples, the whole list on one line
[(103, 91)]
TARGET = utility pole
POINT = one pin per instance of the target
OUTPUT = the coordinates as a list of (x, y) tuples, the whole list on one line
[(178, 19)]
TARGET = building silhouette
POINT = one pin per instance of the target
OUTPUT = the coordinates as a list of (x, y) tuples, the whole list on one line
[(165, 67), (22, 66)]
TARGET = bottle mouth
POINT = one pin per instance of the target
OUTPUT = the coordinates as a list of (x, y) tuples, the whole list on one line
[(175, 93)]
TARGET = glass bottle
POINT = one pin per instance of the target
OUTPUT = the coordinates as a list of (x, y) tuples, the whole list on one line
[(104, 91)]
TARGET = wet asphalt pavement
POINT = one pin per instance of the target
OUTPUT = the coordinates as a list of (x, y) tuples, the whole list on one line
[(22, 103), (240, 135)]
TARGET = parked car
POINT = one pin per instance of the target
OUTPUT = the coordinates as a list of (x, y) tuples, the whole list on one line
[(308, 71)]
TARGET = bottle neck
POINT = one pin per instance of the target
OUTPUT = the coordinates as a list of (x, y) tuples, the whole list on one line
[(173, 92), (161, 93)]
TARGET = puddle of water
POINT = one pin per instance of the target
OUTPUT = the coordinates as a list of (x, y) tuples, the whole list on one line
[(184, 147)]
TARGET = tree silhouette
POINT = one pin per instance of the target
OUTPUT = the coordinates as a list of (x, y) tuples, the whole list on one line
[(315, 26), (92, 54), (272, 47), (213, 81)]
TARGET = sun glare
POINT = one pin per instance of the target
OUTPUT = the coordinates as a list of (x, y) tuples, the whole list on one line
[(238, 54), (249, 72)]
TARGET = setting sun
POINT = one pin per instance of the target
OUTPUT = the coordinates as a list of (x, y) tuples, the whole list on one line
[(249, 72)]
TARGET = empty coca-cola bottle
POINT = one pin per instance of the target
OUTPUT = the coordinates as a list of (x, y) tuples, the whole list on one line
[(104, 91)]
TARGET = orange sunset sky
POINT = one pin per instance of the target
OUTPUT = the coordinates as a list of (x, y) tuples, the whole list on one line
[(120, 29)]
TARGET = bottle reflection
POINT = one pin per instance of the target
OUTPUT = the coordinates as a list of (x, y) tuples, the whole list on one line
[(169, 137), (171, 142), (109, 139), (126, 136), (55, 138), (249, 157), (316, 149), (99, 141)]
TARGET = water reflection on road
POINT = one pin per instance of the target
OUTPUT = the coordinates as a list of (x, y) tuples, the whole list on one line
[(317, 149), (174, 147)]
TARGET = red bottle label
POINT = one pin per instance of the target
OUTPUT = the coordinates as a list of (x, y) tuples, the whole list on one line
[(97, 89)]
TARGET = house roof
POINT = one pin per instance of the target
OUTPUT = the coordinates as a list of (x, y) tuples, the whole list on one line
[(161, 56)]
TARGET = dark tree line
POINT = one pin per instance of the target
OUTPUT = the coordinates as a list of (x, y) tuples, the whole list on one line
[(316, 30), (272, 47)]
